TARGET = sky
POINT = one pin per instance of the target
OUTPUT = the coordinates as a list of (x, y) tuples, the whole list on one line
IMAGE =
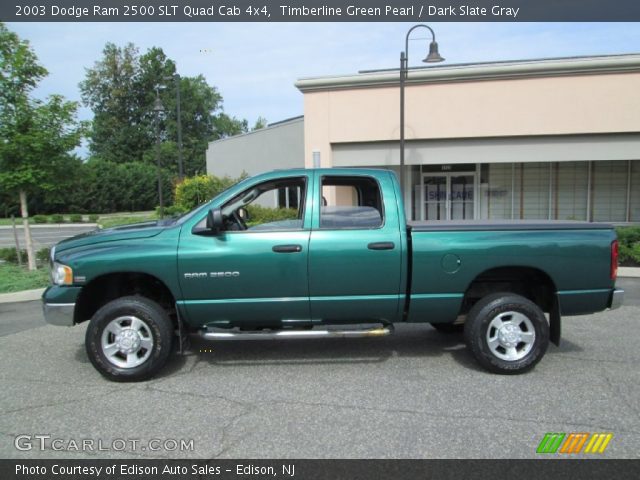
[(255, 65)]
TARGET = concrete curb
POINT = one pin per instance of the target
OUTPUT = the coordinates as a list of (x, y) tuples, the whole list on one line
[(629, 272), (23, 296)]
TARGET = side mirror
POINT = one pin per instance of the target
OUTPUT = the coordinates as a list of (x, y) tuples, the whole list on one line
[(214, 220)]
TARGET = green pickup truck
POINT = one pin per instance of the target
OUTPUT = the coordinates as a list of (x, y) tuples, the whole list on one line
[(314, 253)]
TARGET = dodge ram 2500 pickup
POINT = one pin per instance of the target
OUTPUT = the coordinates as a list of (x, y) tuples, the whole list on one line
[(325, 253)]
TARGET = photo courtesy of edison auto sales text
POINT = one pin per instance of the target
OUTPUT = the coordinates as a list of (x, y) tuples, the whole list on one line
[(285, 470)]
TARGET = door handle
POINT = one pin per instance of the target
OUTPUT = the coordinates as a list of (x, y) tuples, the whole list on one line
[(381, 246), (287, 248)]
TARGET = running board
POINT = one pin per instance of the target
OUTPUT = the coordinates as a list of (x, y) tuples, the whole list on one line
[(292, 334)]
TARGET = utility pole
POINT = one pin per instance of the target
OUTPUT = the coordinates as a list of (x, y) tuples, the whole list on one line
[(158, 109), (176, 78)]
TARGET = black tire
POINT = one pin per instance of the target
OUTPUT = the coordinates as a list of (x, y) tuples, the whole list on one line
[(157, 329), (448, 328), (499, 307)]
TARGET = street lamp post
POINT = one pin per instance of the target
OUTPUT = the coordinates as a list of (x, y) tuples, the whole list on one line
[(432, 57), (158, 108), (176, 79)]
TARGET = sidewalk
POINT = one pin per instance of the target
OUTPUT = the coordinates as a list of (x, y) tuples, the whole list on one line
[(629, 272), (29, 295), (23, 296)]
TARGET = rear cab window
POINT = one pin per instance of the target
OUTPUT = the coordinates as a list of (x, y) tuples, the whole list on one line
[(350, 202)]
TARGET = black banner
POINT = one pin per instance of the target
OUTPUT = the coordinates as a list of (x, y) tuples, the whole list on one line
[(318, 10), (319, 469)]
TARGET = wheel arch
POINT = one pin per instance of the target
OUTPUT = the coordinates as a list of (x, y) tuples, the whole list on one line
[(530, 282), (113, 285)]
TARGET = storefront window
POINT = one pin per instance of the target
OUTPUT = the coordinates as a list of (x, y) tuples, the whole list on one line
[(571, 182), (609, 191), (634, 197)]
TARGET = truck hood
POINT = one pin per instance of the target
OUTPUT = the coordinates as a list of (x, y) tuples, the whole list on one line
[(125, 232)]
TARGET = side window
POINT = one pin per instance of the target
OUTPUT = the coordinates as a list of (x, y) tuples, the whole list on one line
[(273, 205), (351, 202)]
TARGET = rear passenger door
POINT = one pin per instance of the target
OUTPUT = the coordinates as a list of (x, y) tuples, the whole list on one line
[(355, 253)]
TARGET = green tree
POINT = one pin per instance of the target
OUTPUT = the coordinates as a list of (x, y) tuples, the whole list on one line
[(35, 136), (121, 91), (261, 122), (119, 131)]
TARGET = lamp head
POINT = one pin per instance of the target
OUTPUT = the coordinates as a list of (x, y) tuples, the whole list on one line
[(434, 55), (157, 106)]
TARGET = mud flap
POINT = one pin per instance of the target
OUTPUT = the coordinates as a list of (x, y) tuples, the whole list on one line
[(181, 332), (555, 329)]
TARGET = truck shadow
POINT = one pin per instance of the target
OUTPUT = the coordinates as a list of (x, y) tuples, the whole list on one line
[(408, 341)]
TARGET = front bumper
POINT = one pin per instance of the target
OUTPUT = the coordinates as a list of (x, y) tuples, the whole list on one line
[(60, 314), (58, 304), (617, 297)]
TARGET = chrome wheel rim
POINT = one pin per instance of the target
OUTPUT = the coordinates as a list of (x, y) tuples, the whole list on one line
[(510, 336), (127, 342)]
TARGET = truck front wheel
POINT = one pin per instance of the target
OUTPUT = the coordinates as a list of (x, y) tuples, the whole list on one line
[(129, 339), (507, 333)]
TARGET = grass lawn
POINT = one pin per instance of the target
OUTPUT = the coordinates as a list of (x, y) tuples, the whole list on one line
[(14, 278)]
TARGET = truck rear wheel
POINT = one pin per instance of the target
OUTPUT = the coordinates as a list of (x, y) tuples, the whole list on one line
[(507, 333), (129, 339)]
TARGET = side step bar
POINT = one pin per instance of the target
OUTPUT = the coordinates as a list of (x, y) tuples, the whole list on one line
[(292, 334)]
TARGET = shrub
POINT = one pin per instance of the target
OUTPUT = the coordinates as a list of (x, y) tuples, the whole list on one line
[(75, 218), (42, 256), (56, 218), (193, 191), (259, 214), (629, 241), (39, 219), (171, 211), (93, 218), (10, 255)]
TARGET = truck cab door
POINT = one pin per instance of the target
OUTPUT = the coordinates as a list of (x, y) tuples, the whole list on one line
[(253, 273), (355, 252)]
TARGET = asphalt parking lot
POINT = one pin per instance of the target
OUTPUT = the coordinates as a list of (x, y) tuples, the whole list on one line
[(416, 394)]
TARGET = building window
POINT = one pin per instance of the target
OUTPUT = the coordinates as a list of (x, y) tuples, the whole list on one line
[(496, 194), (532, 191), (634, 193), (609, 191), (571, 185)]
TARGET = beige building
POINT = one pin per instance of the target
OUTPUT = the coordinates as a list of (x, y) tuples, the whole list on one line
[(540, 139)]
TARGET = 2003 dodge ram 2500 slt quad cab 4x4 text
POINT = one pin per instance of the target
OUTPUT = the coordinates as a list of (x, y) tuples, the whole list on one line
[(334, 258)]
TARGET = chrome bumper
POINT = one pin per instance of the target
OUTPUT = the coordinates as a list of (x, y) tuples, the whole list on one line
[(60, 314), (617, 297)]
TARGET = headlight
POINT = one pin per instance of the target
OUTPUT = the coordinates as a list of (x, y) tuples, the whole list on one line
[(61, 274)]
